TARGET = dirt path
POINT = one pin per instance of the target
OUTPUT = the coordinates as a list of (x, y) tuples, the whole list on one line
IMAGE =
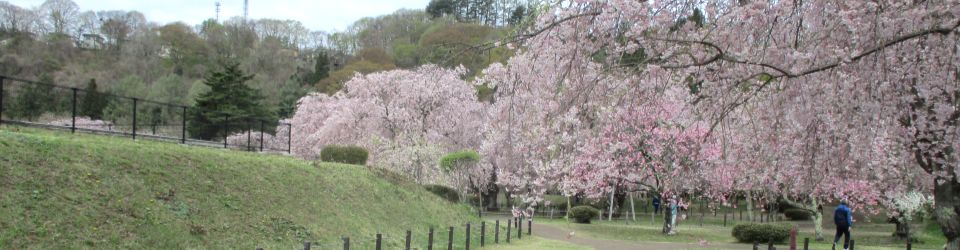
[(556, 233)]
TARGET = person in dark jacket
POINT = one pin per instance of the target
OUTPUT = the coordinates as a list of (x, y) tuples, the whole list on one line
[(656, 205), (843, 218)]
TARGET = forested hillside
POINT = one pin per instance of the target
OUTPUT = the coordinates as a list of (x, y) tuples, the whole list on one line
[(127, 54)]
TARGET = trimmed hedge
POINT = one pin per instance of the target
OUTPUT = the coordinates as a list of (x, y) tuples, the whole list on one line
[(583, 214), (344, 154), (756, 232), (453, 160), (797, 214), (445, 192)]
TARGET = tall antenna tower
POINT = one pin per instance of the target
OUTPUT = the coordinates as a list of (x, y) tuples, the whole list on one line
[(246, 9), (218, 10)]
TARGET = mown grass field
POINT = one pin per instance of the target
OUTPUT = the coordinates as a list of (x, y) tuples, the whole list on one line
[(97, 192)]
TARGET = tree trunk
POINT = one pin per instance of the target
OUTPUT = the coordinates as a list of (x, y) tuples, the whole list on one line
[(817, 222), (903, 228), (612, 194), (750, 206), (633, 209), (946, 195), (490, 197)]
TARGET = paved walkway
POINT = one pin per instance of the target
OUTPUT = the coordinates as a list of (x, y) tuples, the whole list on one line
[(556, 233)]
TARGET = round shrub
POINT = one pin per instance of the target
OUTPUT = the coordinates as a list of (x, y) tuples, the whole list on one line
[(445, 192), (344, 154), (797, 214), (583, 214), (756, 232)]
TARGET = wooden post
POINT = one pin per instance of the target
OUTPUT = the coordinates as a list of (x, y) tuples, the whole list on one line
[(793, 238), (346, 243), (909, 244), (529, 226), (483, 233), (851, 244), (519, 227), (406, 245), (756, 246), (496, 232), (450, 239), (134, 118), (306, 246), (770, 245), (468, 237), (379, 240), (183, 130), (2, 84), (806, 243), (509, 223), (430, 240)]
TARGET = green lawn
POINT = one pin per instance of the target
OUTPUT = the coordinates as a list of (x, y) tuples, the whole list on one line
[(530, 242), (867, 235), (86, 191)]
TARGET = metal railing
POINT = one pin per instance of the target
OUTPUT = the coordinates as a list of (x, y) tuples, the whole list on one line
[(46, 105)]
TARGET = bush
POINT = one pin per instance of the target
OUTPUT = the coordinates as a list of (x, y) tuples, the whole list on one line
[(583, 214), (447, 193), (797, 214), (756, 232), (344, 154), (458, 159)]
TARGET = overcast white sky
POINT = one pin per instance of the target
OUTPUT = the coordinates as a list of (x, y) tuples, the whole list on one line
[(326, 15)]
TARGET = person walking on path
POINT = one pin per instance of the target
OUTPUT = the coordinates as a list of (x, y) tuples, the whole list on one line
[(843, 218)]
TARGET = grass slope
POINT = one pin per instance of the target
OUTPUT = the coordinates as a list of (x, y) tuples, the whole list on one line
[(84, 191)]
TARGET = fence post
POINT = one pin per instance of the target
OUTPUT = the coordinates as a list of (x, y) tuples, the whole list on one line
[(261, 135), (529, 226), (770, 245), (379, 240), (519, 227), (407, 242), (909, 244), (73, 114), (483, 233), (289, 138), (430, 240), (183, 130), (306, 246), (756, 245), (2, 93), (450, 238), (468, 237), (851, 244), (226, 119), (248, 137), (346, 243), (509, 223), (134, 118), (806, 243), (496, 232)]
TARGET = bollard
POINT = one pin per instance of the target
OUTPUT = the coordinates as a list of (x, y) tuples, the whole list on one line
[(806, 243), (430, 240), (496, 232), (508, 230), (519, 228), (407, 242), (379, 240), (450, 239), (483, 233), (793, 238), (346, 243), (468, 237), (851, 244), (306, 246), (529, 226)]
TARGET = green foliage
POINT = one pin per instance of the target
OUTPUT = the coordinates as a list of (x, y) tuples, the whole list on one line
[(321, 68), (439, 8), (797, 214), (93, 101), (447, 45), (447, 193), (33, 99), (765, 232), (583, 214), (336, 80), (344, 154), (452, 161), (228, 106)]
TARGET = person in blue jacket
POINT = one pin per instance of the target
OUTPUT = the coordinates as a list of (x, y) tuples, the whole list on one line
[(843, 218)]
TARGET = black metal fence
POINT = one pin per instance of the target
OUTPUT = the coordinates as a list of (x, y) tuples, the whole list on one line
[(447, 238), (47, 105)]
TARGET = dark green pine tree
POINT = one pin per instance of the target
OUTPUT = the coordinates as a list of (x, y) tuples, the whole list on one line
[(33, 99), (93, 101), (321, 69), (230, 106)]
